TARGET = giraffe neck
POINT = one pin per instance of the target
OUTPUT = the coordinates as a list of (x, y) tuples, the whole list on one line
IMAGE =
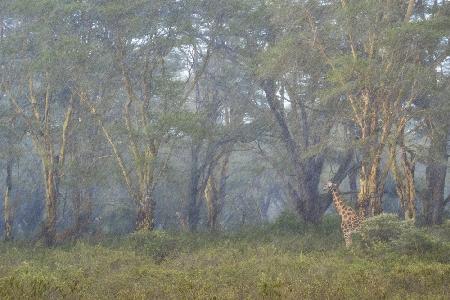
[(338, 202)]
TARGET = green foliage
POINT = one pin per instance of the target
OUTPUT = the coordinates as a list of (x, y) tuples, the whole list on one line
[(386, 234), (289, 222), (382, 229), (414, 241)]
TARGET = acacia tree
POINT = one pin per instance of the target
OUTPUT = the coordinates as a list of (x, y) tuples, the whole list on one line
[(8, 139), (148, 47), (211, 147), (436, 111), (290, 74), (11, 134), (437, 131), (380, 77), (35, 84), (8, 219), (218, 107)]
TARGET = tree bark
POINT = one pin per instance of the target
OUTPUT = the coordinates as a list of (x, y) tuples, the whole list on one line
[(436, 170), (409, 10), (145, 217), (190, 215), (82, 211), (304, 191), (211, 198), (7, 209), (352, 182), (215, 190), (51, 199), (404, 177)]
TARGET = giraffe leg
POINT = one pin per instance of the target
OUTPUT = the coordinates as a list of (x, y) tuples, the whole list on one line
[(348, 239)]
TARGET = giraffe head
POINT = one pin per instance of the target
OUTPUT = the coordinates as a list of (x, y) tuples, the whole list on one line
[(330, 186)]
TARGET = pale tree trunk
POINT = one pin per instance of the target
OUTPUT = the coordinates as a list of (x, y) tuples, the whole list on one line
[(146, 203), (52, 167), (372, 181), (409, 10), (7, 209), (39, 124), (141, 180), (51, 199), (146, 211), (211, 196), (43, 140), (215, 191), (404, 176), (374, 136), (404, 179), (369, 197)]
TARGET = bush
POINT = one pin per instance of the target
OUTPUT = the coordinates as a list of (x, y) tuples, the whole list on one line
[(414, 241), (386, 233), (288, 221), (418, 242), (156, 244), (383, 228)]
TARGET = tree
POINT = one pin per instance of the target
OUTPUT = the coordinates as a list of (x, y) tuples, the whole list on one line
[(375, 68), (291, 74), (145, 44), (38, 92)]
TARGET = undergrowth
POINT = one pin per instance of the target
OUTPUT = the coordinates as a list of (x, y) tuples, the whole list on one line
[(284, 260)]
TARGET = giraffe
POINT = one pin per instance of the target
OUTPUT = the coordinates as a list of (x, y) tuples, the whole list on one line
[(350, 221)]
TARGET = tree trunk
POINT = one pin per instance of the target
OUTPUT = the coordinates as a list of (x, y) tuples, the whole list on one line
[(7, 210), (146, 212), (304, 193), (371, 186), (308, 203), (211, 198), (404, 178), (215, 191), (83, 210), (82, 213), (190, 215), (409, 10), (309, 194), (51, 200), (436, 170), (352, 182)]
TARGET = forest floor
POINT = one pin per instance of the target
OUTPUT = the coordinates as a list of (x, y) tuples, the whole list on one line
[(286, 260)]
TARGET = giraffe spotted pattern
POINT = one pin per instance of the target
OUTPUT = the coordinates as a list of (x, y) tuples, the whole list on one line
[(350, 221)]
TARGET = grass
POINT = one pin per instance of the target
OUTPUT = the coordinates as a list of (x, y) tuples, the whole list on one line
[(285, 260)]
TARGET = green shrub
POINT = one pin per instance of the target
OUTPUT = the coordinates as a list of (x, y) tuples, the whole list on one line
[(156, 244), (383, 228), (386, 234), (414, 241), (420, 243), (288, 221)]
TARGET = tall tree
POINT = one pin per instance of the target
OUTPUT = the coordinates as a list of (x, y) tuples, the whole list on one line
[(37, 84), (146, 44)]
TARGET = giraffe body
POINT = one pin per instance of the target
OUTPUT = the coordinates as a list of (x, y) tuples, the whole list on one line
[(350, 221)]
